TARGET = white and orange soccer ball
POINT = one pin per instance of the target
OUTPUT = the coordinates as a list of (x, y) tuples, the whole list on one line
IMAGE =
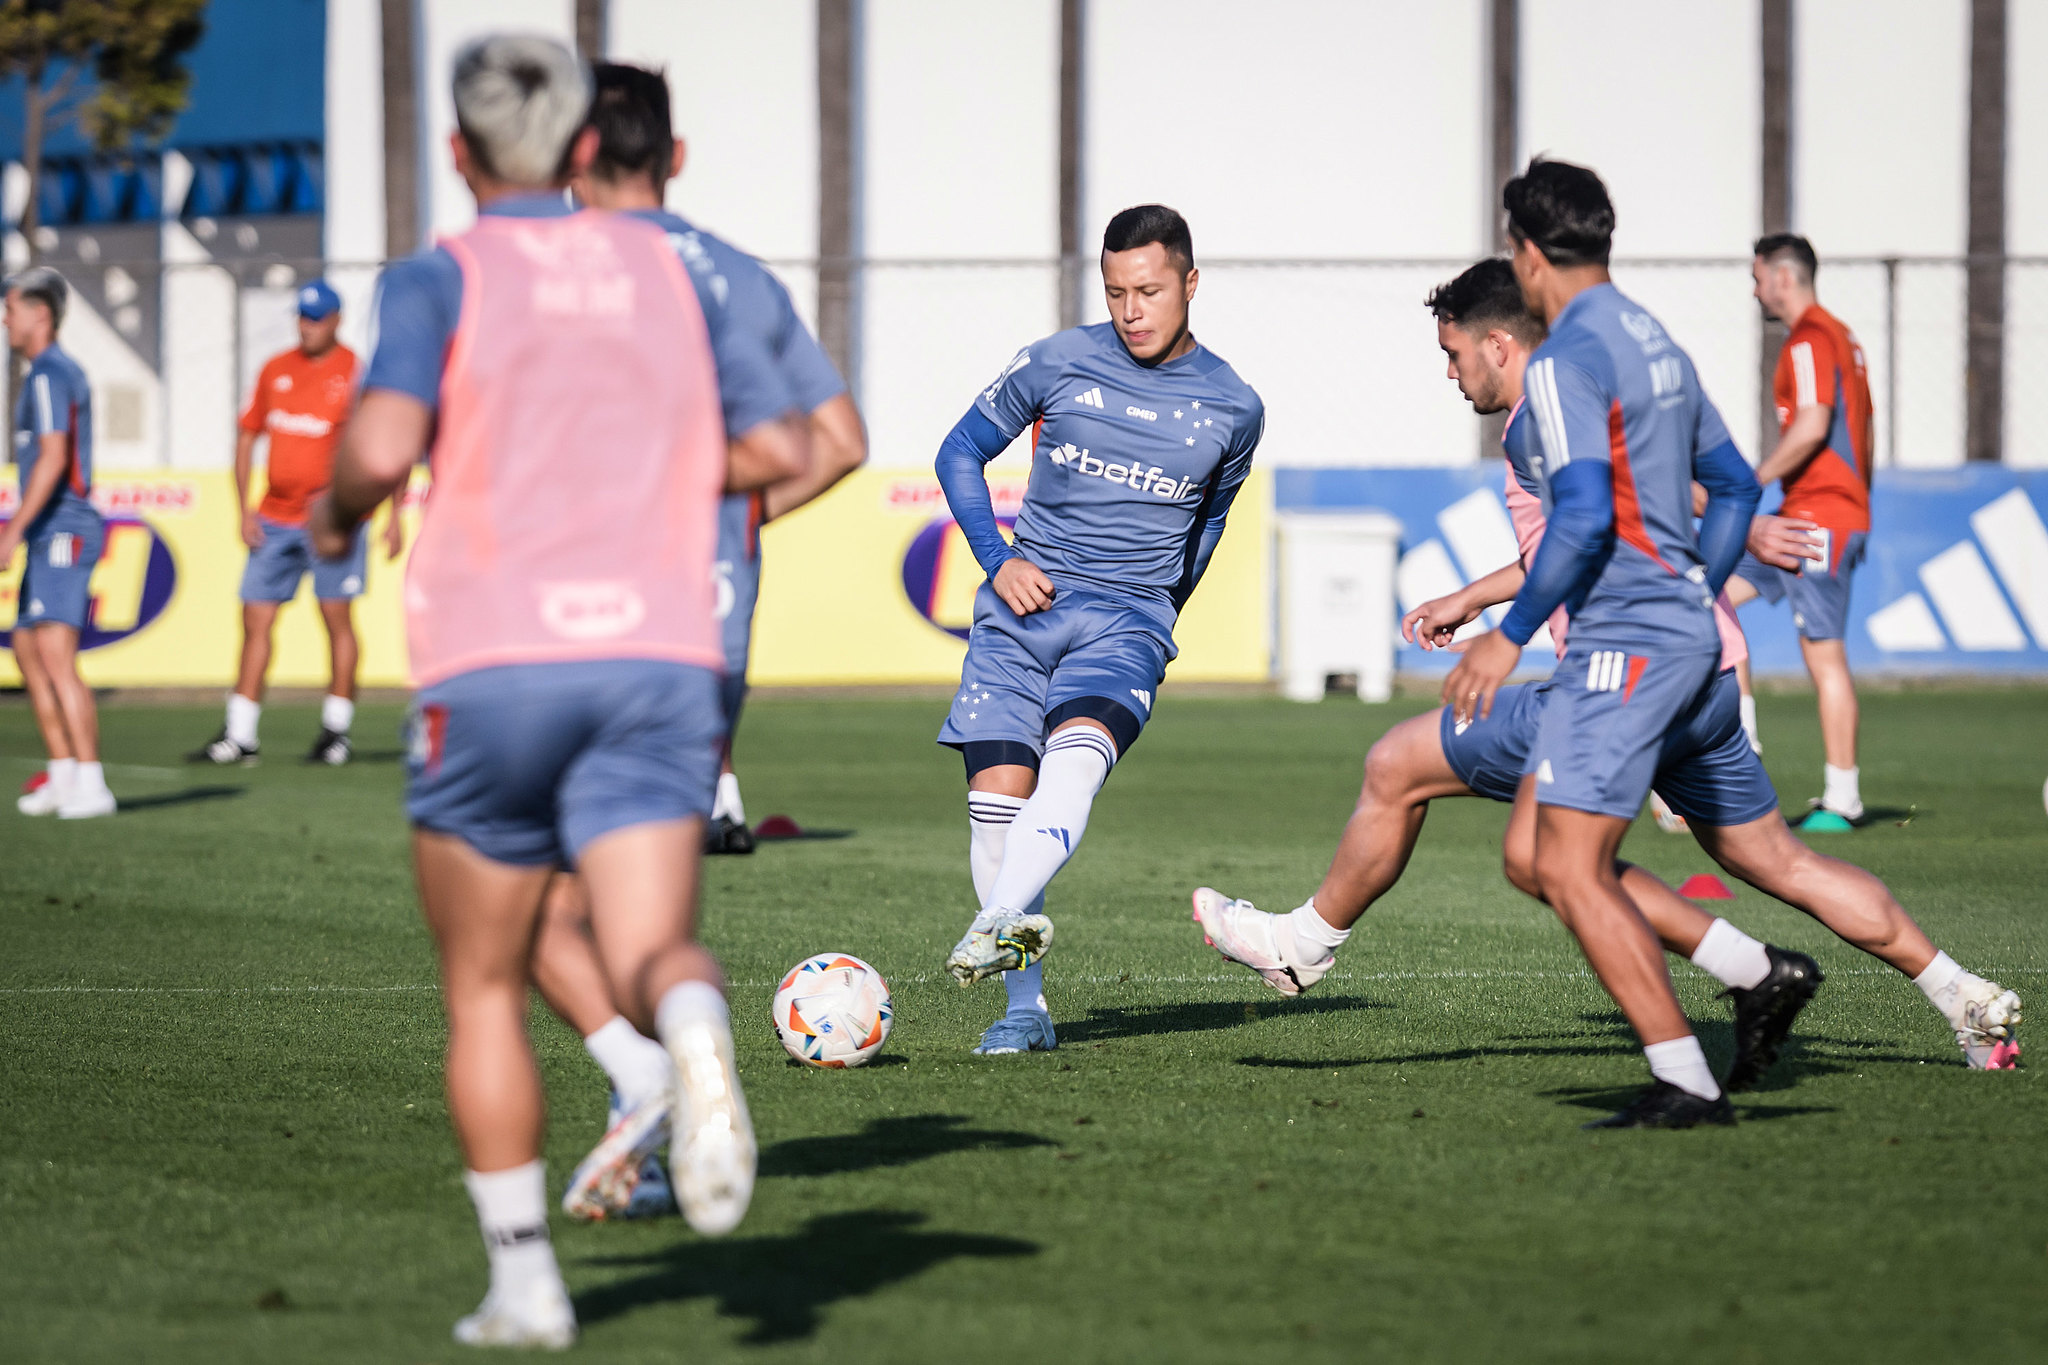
[(832, 1010)]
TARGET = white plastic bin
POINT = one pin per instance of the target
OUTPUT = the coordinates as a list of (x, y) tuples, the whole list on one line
[(1337, 611)]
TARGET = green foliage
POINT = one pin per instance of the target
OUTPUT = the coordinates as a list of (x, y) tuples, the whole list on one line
[(225, 1138), (135, 50)]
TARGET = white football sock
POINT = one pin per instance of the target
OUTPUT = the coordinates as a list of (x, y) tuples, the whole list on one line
[(638, 1067), (989, 819), (1314, 938), (337, 713), (1681, 1062), (1840, 792), (243, 715), (1748, 707), (512, 1211), (727, 804), (687, 1003), (1731, 957), (1948, 987), (63, 776), (90, 779), (1049, 827)]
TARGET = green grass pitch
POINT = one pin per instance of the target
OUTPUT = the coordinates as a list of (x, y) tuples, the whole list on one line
[(222, 1133)]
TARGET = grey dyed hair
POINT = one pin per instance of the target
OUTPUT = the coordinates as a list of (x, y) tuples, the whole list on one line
[(519, 100), (46, 287)]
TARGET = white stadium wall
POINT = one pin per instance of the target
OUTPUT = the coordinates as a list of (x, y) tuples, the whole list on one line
[(2026, 207)]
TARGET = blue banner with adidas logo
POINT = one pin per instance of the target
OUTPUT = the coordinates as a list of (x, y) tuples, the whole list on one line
[(1956, 579)]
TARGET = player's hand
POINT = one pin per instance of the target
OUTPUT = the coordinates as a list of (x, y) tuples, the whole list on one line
[(1432, 624), (252, 528), (1783, 542), (394, 537), (329, 541), (1023, 586), (1488, 661)]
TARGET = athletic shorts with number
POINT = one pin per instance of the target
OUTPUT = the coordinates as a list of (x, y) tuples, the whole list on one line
[(1605, 722), (528, 763), (1819, 590), (56, 586), (1024, 675), (286, 556)]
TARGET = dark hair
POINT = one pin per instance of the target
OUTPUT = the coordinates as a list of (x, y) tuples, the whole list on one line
[(1563, 209), (1484, 297), (1776, 247), (1149, 223), (631, 114)]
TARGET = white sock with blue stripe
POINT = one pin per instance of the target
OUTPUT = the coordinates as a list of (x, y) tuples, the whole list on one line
[(1049, 826), (989, 817)]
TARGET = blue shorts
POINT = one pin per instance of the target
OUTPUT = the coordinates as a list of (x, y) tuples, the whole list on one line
[(1604, 724), (1820, 597), (739, 592), (528, 763), (1490, 755), (56, 586), (1020, 671), (1706, 771), (286, 556)]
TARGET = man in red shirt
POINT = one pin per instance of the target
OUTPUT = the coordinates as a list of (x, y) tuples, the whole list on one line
[(1822, 461), (301, 401)]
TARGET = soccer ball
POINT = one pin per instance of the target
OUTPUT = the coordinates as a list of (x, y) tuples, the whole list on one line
[(832, 1010)]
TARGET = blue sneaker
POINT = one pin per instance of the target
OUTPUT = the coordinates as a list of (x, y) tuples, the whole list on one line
[(1018, 1031)]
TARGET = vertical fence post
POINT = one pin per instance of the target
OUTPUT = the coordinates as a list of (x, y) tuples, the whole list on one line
[(1073, 73), (1891, 360)]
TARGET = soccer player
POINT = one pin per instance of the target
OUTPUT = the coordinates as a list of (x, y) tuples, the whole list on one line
[(637, 153), (1822, 462), (1146, 438), (1487, 333), (56, 520), (301, 400), (558, 368)]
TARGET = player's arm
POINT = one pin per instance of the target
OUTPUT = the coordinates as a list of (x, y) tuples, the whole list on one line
[(1215, 511), (52, 459), (1813, 411), (1732, 491), (766, 453), (839, 439), (394, 527), (772, 443), (245, 511), (963, 455), (383, 441), (1781, 542), (1432, 624)]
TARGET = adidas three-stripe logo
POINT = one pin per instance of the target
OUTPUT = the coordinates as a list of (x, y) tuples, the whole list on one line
[(1606, 670), (1090, 399)]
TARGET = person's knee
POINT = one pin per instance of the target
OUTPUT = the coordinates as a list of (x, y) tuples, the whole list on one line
[(1390, 776), (1519, 862)]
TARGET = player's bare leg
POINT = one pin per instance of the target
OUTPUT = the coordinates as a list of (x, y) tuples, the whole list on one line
[(1828, 662), (74, 716), (237, 741), (571, 979), (42, 696), (642, 882), (1404, 771), (1861, 910), (482, 914), (338, 707), (1577, 870)]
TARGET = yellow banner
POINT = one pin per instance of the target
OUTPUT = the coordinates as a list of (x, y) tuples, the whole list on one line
[(870, 584)]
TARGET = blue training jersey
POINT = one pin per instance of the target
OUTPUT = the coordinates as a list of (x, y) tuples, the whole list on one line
[(1609, 385), (757, 303), (56, 398), (1134, 465)]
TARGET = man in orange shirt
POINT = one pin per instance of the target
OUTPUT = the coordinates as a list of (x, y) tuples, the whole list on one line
[(1823, 461), (301, 401)]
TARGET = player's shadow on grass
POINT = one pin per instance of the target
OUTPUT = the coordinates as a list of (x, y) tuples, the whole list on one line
[(187, 797), (890, 1142), (783, 1284), (1203, 1016), (1606, 1099)]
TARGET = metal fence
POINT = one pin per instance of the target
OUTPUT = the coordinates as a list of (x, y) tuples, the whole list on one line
[(1342, 351)]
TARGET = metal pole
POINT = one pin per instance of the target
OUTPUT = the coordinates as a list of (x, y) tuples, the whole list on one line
[(1891, 360), (1073, 132)]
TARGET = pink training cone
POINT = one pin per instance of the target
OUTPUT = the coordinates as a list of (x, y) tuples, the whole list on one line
[(778, 827), (1705, 886)]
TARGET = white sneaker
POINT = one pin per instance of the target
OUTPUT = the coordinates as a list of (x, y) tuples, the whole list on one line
[(1991, 1016), (44, 800), (604, 1182), (543, 1318), (1243, 933), (86, 805), (711, 1156), (999, 941), (1668, 820)]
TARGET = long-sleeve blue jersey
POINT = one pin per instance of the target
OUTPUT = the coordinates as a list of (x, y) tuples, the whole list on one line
[(1610, 387)]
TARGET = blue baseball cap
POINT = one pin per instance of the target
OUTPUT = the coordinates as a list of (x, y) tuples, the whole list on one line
[(318, 300)]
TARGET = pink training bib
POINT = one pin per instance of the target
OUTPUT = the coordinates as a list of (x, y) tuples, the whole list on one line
[(579, 458)]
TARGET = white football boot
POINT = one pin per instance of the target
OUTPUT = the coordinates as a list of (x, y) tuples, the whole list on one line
[(543, 1318), (711, 1156), (44, 800), (605, 1182), (999, 941), (1244, 934), (1668, 820), (1991, 1017), (86, 805)]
